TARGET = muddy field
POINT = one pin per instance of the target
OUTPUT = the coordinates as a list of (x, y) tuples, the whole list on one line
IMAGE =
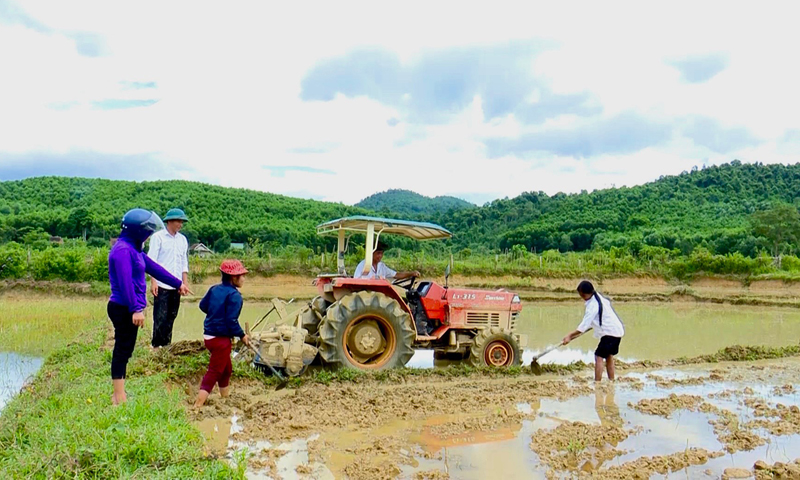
[(727, 420)]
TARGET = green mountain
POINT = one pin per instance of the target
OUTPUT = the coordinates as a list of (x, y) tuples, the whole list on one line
[(407, 204), (68, 206), (709, 208)]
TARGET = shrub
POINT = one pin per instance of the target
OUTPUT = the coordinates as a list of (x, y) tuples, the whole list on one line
[(13, 261), (67, 264)]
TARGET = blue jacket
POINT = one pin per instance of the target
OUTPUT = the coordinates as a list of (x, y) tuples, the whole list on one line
[(127, 265), (222, 305)]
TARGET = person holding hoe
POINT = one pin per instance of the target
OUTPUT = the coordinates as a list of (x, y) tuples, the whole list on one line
[(601, 317), (222, 305), (127, 265)]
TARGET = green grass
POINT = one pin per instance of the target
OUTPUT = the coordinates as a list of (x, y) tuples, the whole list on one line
[(63, 424), (36, 324)]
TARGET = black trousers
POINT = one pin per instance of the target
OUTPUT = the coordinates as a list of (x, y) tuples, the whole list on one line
[(124, 338), (165, 310)]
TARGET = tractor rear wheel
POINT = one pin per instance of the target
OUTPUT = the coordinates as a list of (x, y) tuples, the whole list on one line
[(367, 331), (495, 347)]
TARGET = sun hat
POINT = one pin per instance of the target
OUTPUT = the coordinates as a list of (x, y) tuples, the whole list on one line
[(176, 214), (232, 267)]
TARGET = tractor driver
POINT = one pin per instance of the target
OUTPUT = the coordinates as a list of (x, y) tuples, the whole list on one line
[(379, 269)]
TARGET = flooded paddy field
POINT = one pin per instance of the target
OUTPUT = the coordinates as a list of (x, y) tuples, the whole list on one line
[(654, 331), (690, 421), (697, 421)]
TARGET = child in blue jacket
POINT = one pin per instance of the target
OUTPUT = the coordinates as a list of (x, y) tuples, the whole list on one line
[(222, 305)]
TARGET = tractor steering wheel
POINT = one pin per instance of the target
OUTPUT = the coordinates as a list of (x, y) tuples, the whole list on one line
[(405, 283)]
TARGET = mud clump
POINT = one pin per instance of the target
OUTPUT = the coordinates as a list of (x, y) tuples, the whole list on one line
[(364, 469), (780, 470), (664, 407), (662, 382), (740, 440), (575, 445), (643, 468), (780, 420), (482, 423), (733, 472), (633, 382), (186, 347), (432, 475)]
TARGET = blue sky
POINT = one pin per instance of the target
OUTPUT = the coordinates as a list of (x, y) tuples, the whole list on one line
[(477, 103)]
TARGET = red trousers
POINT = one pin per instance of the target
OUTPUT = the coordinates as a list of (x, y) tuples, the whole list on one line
[(219, 366)]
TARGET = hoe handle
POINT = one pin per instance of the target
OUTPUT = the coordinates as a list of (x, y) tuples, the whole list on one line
[(550, 349)]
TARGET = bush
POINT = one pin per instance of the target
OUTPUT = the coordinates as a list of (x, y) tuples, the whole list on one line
[(13, 261), (68, 264)]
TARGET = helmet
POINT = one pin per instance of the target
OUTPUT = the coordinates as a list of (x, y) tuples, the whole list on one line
[(141, 222), (176, 214)]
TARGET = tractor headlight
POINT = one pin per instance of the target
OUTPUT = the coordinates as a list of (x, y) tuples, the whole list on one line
[(516, 299)]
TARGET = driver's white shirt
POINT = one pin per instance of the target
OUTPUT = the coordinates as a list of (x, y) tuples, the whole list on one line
[(381, 271)]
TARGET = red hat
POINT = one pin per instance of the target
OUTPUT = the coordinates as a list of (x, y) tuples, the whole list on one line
[(232, 267)]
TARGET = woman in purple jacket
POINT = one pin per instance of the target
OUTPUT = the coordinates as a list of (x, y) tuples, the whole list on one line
[(127, 265)]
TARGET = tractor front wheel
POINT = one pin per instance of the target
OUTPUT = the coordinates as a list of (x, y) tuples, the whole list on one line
[(495, 347), (367, 331)]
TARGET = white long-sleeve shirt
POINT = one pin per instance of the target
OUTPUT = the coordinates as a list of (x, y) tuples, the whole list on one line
[(171, 252), (382, 271), (612, 325)]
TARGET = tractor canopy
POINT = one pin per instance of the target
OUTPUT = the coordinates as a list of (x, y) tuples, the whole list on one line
[(360, 224), (373, 228)]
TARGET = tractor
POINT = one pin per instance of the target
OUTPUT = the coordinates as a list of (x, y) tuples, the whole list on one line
[(372, 324)]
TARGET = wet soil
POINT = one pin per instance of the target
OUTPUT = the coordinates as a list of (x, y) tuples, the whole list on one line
[(678, 420)]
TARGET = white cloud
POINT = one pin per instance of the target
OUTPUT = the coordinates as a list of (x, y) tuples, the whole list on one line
[(227, 84)]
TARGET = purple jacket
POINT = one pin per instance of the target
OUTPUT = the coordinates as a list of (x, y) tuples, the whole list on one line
[(127, 265)]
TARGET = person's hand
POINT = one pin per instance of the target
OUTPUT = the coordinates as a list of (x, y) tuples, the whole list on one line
[(154, 287), (565, 340), (416, 273), (138, 319), (246, 340), (184, 290)]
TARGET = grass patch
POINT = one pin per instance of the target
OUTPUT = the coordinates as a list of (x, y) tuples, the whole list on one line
[(63, 424), (35, 324), (743, 353)]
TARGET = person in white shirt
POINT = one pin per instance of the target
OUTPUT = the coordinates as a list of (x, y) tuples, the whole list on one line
[(601, 317), (170, 249), (379, 269)]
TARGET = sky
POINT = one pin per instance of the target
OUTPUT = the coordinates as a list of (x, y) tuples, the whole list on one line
[(339, 100)]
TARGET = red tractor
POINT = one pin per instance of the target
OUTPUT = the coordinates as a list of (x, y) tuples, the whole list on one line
[(368, 324)]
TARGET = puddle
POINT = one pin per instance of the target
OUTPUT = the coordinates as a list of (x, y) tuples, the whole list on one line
[(15, 370)]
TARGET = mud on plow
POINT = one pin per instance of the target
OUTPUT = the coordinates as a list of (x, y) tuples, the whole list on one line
[(281, 345)]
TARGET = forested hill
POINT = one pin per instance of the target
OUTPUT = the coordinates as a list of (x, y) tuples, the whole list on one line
[(68, 206), (405, 203), (709, 207)]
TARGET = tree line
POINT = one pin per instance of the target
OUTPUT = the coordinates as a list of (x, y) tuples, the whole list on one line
[(745, 209)]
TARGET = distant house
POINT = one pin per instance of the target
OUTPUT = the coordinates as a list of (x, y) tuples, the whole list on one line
[(200, 250), (55, 239), (237, 246)]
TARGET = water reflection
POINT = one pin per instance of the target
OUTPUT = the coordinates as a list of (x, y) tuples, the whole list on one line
[(606, 406), (14, 371)]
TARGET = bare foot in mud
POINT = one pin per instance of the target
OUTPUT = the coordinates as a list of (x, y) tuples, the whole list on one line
[(202, 396), (225, 392)]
